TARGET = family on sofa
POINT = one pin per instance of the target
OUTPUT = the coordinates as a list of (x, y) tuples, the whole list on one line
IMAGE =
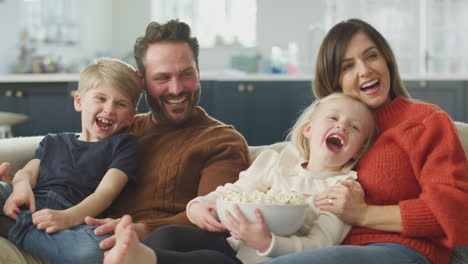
[(409, 205)]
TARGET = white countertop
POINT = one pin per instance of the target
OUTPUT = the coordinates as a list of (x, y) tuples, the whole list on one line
[(73, 77)]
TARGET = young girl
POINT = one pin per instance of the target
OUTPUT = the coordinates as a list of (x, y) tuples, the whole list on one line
[(327, 140)]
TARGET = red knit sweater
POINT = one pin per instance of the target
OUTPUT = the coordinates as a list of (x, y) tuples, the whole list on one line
[(418, 163)]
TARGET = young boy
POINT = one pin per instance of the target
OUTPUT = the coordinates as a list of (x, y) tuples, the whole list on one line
[(73, 176)]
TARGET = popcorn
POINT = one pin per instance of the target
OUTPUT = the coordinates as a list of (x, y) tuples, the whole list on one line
[(270, 197)]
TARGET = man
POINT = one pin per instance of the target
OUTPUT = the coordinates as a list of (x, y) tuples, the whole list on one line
[(184, 152)]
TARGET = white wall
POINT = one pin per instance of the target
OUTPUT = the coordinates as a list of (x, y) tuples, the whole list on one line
[(280, 21), (9, 49), (129, 21)]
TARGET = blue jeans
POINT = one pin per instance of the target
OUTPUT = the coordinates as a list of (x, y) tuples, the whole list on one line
[(381, 253), (76, 245)]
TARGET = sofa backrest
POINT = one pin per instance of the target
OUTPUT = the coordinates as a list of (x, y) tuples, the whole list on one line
[(18, 151), (462, 131)]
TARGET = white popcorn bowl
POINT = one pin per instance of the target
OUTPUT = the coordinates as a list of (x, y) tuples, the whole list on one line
[(282, 219)]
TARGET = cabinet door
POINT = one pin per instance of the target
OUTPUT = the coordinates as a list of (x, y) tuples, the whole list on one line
[(262, 111), (229, 105), (49, 107), (274, 108), (448, 95)]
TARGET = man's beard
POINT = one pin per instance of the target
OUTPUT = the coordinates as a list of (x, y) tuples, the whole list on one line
[(160, 113)]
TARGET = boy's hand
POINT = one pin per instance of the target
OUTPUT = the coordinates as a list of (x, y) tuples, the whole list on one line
[(108, 225), (255, 234), (22, 195), (53, 220), (4, 168), (200, 213)]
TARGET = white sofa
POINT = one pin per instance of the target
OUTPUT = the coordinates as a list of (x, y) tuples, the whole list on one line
[(19, 150)]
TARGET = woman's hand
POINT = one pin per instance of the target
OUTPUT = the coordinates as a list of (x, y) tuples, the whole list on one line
[(345, 201), (255, 234), (201, 214)]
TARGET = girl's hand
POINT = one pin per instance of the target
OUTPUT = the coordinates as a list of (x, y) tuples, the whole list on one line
[(347, 202), (53, 220), (22, 195), (255, 234), (201, 214)]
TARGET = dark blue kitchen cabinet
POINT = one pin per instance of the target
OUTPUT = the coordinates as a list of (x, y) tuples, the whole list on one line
[(262, 111), (49, 107), (450, 96)]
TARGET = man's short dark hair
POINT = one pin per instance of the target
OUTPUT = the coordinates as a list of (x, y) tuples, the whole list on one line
[(171, 31)]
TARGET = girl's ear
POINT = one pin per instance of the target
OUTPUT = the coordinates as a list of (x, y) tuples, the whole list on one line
[(307, 131), (77, 102)]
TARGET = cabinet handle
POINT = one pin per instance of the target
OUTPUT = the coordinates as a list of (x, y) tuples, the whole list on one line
[(73, 93), (250, 88), (423, 84), (8, 93), (19, 94), (241, 88)]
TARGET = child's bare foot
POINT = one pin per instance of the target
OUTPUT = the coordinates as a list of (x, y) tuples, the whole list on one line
[(128, 248), (4, 168)]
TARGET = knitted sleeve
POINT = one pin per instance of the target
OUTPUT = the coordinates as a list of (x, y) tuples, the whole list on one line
[(441, 167), (226, 155)]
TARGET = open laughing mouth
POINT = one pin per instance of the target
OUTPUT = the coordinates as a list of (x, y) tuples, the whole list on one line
[(104, 123), (175, 100), (370, 87), (335, 142)]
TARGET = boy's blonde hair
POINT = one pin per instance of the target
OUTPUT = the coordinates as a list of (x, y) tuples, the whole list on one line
[(296, 134), (115, 73)]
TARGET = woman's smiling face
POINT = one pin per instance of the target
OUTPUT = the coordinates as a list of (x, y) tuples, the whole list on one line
[(364, 72)]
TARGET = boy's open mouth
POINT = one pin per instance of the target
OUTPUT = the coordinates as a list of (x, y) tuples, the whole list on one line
[(104, 123)]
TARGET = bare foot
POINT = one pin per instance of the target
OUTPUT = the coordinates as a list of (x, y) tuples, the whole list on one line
[(128, 249)]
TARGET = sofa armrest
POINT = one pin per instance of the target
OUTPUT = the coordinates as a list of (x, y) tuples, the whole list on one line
[(18, 151)]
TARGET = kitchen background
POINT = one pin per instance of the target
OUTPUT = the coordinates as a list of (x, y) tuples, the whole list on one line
[(257, 53), (428, 36)]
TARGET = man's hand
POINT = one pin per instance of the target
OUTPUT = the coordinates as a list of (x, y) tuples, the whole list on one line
[(53, 220), (108, 225), (200, 213), (22, 195), (255, 234)]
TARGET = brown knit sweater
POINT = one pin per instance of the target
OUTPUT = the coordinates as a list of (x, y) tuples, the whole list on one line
[(177, 164)]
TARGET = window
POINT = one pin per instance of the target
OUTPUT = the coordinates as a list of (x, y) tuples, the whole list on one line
[(214, 22)]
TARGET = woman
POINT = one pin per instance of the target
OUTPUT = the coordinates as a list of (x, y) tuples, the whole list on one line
[(415, 177)]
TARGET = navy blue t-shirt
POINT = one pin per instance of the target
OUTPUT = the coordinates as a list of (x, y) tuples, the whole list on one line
[(74, 168)]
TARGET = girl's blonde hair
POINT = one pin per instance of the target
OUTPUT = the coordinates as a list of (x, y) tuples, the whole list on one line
[(113, 72), (296, 134)]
